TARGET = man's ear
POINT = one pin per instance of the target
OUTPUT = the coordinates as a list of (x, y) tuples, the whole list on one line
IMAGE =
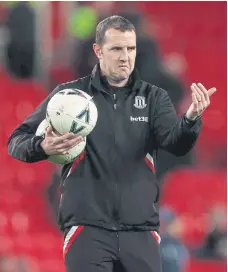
[(97, 50)]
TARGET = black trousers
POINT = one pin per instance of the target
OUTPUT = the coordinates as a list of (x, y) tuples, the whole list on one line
[(91, 249)]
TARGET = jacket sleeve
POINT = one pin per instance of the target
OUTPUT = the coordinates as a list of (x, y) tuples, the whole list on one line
[(23, 145), (173, 134)]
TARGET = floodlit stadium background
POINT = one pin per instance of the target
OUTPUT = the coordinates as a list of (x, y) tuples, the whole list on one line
[(45, 43)]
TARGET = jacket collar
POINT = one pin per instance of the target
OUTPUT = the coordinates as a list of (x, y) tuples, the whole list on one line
[(95, 79)]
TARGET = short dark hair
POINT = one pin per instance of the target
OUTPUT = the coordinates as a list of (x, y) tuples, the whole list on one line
[(116, 22)]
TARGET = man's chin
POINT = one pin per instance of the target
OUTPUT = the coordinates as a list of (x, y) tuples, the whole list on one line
[(122, 77), (118, 78)]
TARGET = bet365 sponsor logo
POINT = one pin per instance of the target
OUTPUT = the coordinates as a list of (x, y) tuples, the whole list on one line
[(139, 119)]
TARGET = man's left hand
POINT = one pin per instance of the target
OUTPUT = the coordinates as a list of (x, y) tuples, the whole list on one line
[(200, 100)]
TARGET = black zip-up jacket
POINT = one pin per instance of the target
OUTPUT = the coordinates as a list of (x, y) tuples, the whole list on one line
[(113, 187)]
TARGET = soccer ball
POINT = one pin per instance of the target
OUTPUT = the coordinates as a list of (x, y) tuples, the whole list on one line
[(73, 153), (72, 110)]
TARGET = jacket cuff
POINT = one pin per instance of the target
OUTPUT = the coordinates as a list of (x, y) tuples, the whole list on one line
[(40, 153), (191, 122), (194, 125)]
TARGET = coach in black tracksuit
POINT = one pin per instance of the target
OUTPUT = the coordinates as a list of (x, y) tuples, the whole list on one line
[(109, 203)]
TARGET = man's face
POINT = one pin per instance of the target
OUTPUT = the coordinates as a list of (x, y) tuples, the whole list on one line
[(117, 54)]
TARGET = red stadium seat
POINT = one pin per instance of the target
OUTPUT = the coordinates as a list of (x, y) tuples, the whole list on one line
[(192, 193), (207, 266), (203, 186)]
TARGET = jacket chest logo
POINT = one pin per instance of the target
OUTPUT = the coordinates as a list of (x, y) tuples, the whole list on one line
[(140, 102)]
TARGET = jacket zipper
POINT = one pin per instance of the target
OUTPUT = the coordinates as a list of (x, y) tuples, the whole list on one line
[(116, 185)]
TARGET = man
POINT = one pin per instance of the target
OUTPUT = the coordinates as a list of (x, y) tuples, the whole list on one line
[(109, 203)]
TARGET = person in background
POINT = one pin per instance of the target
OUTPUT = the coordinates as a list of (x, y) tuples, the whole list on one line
[(84, 59), (12, 263), (20, 55), (215, 244), (174, 254)]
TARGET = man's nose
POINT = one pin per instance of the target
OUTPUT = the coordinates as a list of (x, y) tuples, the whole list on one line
[(124, 55)]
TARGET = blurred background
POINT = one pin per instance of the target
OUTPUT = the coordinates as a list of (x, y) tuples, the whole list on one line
[(43, 44)]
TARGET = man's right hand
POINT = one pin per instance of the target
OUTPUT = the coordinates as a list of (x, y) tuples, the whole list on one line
[(58, 145)]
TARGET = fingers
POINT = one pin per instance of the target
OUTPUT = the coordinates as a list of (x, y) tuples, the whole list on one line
[(202, 95), (201, 98), (211, 91), (205, 93), (59, 145), (197, 94), (64, 138), (195, 101), (66, 145), (49, 132)]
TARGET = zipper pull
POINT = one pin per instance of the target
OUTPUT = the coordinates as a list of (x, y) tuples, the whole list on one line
[(114, 95)]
